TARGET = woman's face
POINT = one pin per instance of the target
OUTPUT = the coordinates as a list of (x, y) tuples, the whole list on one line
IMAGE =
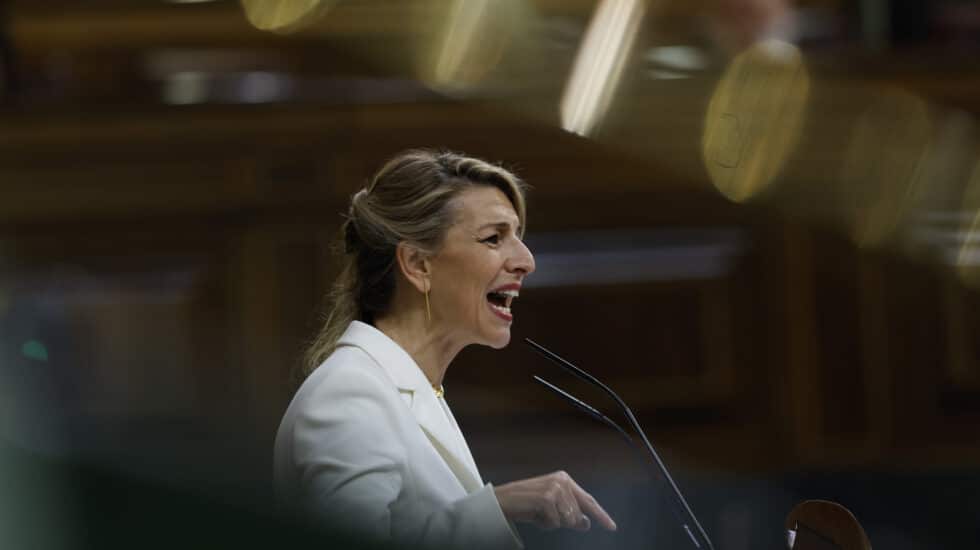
[(479, 269)]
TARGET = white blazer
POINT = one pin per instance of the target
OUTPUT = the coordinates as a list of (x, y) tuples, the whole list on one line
[(366, 445)]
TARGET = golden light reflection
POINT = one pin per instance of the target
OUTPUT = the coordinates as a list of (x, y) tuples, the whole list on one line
[(968, 259), (472, 42), (284, 15), (599, 64), (755, 118), (885, 164)]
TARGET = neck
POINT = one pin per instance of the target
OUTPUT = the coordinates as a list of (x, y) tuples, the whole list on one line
[(431, 348)]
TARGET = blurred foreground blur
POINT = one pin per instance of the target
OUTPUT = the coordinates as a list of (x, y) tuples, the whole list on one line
[(757, 220)]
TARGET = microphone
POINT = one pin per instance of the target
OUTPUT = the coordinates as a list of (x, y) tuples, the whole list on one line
[(679, 500), (585, 407)]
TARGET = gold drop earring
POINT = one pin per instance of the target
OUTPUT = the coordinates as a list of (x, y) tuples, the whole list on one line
[(428, 312)]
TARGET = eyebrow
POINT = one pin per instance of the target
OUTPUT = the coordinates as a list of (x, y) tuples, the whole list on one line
[(499, 225)]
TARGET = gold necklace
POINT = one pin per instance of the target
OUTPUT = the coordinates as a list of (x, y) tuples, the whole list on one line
[(439, 391)]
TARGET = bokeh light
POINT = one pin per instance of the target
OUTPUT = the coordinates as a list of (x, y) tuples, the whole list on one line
[(968, 259), (884, 166), (473, 40), (754, 119), (599, 64), (284, 15), (34, 350)]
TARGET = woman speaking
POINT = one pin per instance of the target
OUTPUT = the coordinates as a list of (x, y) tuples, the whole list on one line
[(433, 261)]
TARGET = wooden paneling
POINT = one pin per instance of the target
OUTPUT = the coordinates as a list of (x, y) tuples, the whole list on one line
[(802, 352)]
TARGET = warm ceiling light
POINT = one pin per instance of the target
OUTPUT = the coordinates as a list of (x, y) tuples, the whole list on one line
[(284, 15), (755, 118), (599, 64), (472, 42)]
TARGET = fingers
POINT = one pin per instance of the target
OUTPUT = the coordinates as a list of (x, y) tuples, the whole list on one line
[(574, 505), (568, 508), (558, 507), (552, 501), (590, 506)]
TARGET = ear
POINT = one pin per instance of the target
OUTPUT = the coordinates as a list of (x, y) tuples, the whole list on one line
[(414, 264)]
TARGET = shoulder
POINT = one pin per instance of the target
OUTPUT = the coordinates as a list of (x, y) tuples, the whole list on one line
[(345, 415), (349, 372), (349, 395)]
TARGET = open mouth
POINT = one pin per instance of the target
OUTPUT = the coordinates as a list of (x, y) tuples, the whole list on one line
[(500, 301)]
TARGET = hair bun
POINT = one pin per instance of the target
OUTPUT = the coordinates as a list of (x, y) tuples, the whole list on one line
[(352, 239)]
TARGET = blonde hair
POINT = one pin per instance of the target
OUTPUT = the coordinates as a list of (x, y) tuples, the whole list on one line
[(410, 199)]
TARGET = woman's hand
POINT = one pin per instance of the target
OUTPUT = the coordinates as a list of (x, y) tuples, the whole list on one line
[(551, 501)]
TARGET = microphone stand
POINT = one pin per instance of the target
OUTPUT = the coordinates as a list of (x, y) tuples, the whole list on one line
[(591, 411)]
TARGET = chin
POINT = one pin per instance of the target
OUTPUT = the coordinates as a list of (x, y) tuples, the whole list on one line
[(500, 341), (496, 339)]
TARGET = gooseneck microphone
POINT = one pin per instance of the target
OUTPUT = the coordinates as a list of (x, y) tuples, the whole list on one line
[(584, 407), (685, 515)]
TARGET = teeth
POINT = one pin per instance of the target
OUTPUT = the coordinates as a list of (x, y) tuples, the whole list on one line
[(510, 293), (501, 308)]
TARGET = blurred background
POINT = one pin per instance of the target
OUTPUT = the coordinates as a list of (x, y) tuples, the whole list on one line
[(758, 220)]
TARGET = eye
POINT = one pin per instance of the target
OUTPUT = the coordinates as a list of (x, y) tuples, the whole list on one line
[(492, 239)]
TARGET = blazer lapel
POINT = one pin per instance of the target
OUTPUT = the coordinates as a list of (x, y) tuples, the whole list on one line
[(445, 437), (436, 422), (465, 451)]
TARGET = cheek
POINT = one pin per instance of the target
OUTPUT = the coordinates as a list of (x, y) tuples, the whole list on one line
[(467, 280), (463, 289), (474, 294)]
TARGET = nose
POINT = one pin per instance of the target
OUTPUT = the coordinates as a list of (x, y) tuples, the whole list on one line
[(522, 261)]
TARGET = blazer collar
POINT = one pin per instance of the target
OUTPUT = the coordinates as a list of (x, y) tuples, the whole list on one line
[(435, 420)]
